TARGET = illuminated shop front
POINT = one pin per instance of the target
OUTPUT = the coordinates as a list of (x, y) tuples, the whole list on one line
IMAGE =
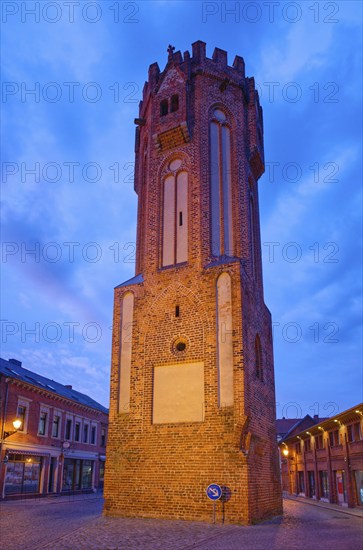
[(23, 474), (77, 474)]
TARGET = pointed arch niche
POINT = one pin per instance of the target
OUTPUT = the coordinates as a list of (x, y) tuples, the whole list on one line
[(225, 341), (220, 184), (127, 315)]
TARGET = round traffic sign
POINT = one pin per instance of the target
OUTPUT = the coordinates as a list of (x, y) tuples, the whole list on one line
[(214, 492)]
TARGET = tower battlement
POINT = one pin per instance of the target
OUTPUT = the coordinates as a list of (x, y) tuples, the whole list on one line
[(192, 65)]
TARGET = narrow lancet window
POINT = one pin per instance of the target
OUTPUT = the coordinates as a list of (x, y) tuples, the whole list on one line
[(221, 192)]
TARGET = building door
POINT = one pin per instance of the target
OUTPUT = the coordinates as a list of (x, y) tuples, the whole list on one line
[(52, 471)]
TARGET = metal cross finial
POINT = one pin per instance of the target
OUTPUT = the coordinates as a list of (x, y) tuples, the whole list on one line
[(170, 50)]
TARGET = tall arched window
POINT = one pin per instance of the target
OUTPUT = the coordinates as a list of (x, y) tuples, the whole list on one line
[(175, 215), (221, 192), (127, 316), (258, 358)]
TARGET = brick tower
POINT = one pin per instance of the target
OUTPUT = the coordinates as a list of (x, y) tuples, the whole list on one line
[(192, 379)]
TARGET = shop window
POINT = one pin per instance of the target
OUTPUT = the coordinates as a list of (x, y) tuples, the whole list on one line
[(324, 484), (358, 476), (22, 474), (164, 107), (77, 474), (311, 481), (174, 104)]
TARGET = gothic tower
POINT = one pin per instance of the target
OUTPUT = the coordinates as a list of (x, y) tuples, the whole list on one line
[(192, 379)]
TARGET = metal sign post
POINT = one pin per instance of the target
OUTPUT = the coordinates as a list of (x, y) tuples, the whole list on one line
[(214, 493)]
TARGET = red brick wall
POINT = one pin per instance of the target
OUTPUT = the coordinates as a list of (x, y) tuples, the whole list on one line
[(163, 470)]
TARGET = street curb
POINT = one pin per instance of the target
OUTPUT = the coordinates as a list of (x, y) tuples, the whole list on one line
[(347, 511)]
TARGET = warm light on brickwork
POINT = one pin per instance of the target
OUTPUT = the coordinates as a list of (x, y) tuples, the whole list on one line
[(193, 410)]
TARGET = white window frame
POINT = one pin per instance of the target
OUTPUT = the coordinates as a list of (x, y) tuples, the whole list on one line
[(24, 402), (44, 410), (85, 423), (77, 420), (93, 425), (68, 417), (57, 412)]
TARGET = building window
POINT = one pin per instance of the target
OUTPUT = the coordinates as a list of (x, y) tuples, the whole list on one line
[(175, 216), (43, 418), (174, 105), (103, 437), (307, 445), (324, 484), (353, 432), (221, 186), (77, 430), (21, 416), (258, 359), (319, 442), (334, 438), (93, 435), (85, 433), (164, 107), (68, 429), (56, 426), (298, 447)]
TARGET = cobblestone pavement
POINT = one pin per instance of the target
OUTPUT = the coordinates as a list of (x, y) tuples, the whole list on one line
[(77, 524)]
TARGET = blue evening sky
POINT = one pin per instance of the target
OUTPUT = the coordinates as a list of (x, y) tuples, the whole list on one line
[(73, 74)]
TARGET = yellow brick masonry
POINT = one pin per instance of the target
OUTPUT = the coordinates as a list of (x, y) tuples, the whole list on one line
[(162, 470)]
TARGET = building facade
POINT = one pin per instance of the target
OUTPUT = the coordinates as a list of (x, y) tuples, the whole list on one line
[(60, 446), (325, 461), (192, 378)]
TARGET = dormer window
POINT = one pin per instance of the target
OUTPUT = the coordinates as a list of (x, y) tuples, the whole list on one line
[(174, 103), (164, 107)]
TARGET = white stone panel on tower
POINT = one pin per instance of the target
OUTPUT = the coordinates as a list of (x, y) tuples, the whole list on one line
[(227, 192), (225, 342), (182, 218), (215, 189), (178, 393), (169, 221), (127, 314)]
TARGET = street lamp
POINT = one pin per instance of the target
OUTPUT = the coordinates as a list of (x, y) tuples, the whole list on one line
[(285, 452), (16, 423)]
